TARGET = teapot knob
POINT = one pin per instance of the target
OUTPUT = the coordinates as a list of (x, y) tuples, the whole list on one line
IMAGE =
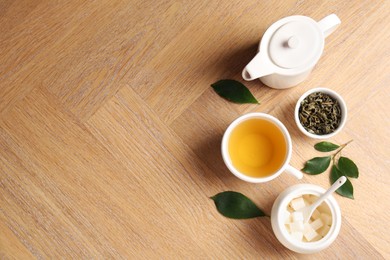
[(293, 42)]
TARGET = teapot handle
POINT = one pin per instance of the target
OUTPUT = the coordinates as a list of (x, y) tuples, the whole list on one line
[(329, 24)]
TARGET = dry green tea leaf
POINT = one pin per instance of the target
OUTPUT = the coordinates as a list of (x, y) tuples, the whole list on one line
[(319, 113)]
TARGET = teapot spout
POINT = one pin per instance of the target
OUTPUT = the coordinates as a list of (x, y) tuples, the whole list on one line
[(258, 67)]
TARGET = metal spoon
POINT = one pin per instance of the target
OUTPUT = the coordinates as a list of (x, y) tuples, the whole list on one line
[(308, 210)]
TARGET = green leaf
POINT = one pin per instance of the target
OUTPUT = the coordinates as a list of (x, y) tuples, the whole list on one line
[(348, 167), (235, 205), (234, 91), (347, 189), (326, 146), (317, 165)]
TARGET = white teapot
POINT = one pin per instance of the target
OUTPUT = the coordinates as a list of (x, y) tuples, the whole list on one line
[(289, 50)]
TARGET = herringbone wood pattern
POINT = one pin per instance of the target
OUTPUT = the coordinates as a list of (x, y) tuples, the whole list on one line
[(110, 133)]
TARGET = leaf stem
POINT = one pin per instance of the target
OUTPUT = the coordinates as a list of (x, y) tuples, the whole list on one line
[(333, 159), (339, 150), (343, 145)]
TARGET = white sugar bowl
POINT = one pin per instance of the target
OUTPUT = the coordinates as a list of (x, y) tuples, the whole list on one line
[(281, 212)]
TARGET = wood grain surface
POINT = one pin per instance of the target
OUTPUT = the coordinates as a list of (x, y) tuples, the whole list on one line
[(110, 132)]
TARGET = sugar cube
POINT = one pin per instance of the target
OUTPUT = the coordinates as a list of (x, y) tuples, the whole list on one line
[(324, 230), (297, 216), (306, 227), (310, 234), (316, 224), (297, 203), (296, 226), (318, 237), (327, 219), (297, 235)]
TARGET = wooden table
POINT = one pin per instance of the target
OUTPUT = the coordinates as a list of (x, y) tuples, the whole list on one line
[(110, 132)]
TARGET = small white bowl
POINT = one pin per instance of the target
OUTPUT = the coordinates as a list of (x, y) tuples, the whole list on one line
[(335, 96), (278, 216)]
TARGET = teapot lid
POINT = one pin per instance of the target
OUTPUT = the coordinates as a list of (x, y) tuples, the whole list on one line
[(295, 44)]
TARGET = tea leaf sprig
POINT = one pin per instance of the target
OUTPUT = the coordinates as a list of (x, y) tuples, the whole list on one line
[(341, 166)]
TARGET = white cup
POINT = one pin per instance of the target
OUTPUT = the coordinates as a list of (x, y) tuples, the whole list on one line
[(283, 166)]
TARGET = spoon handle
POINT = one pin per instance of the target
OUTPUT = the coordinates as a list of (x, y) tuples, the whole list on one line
[(340, 181)]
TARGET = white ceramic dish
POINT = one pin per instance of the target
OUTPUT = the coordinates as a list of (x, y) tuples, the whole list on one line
[(335, 96), (279, 211)]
